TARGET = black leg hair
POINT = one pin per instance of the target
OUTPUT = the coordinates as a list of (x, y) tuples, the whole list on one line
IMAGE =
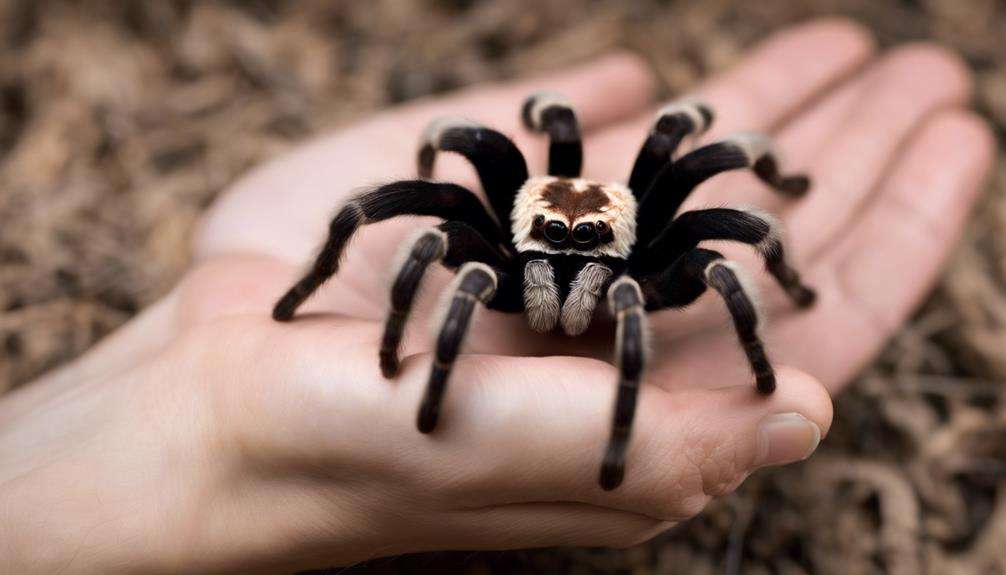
[(676, 181), (626, 301), (675, 122), (758, 229), (681, 284), (474, 283), (500, 165), (454, 243), (552, 113), (410, 197)]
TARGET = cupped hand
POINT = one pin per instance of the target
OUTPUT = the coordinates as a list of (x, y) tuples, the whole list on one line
[(302, 454)]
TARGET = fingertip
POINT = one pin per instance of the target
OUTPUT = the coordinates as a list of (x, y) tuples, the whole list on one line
[(842, 33), (609, 88), (938, 66), (628, 67), (975, 132)]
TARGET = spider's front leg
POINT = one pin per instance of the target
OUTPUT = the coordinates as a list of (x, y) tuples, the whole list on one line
[(453, 243), (474, 284), (626, 301), (688, 277)]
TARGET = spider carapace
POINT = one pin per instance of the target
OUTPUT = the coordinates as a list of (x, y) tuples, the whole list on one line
[(571, 241)]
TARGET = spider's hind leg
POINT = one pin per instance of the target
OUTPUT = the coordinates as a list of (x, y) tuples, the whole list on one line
[(676, 181), (452, 243), (627, 304), (474, 284), (552, 114), (758, 229)]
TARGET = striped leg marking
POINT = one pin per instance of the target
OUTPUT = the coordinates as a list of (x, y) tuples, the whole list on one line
[(626, 301), (723, 276), (474, 283), (430, 246)]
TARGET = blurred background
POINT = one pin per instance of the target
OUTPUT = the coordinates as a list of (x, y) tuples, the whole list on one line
[(121, 120)]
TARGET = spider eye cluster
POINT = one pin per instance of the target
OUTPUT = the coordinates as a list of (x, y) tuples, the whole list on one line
[(583, 235)]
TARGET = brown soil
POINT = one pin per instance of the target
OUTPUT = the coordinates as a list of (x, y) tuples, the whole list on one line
[(120, 120)]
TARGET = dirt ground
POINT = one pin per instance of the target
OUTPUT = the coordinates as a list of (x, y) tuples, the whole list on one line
[(120, 120)]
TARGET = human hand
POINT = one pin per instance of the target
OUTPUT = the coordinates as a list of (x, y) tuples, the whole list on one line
[(292, 425)]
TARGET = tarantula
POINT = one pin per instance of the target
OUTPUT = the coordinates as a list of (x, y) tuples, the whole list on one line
[(570, 240)]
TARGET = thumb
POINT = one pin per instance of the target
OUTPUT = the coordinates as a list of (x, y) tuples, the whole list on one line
[(534, 429)]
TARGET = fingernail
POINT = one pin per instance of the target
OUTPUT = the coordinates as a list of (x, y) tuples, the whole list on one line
[(786, 437)]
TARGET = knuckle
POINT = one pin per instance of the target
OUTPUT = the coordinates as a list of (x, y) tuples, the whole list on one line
[(701, 469), (940, 60)]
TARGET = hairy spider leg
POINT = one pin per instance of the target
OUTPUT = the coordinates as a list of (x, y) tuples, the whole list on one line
[(552, 113), (500, 165), (676, 181), (408, 197), (757, 229), (626, 301), (475, 283), (675, 122), (687, 278), (453, 244)]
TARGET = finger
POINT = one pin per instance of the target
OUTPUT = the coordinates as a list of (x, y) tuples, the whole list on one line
[(885, 265), (512, 430), (602, 91), (607, 90), (318, 176), (901, 92), (519, 429), (781, 75)]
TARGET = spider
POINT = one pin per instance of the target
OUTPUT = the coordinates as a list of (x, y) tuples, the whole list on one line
[(570, 241)]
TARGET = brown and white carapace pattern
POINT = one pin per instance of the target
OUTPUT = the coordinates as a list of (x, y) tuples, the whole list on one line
[(573, 201)]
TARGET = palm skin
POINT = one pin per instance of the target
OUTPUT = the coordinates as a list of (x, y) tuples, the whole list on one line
[(897, 164)]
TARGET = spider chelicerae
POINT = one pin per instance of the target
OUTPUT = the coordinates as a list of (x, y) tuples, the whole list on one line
[(570, 241)]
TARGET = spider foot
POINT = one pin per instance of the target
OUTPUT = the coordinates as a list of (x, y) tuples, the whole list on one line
[(389, 364), (765, 382), (802, 296), (612, 468), (428, 416), (794, 186)]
